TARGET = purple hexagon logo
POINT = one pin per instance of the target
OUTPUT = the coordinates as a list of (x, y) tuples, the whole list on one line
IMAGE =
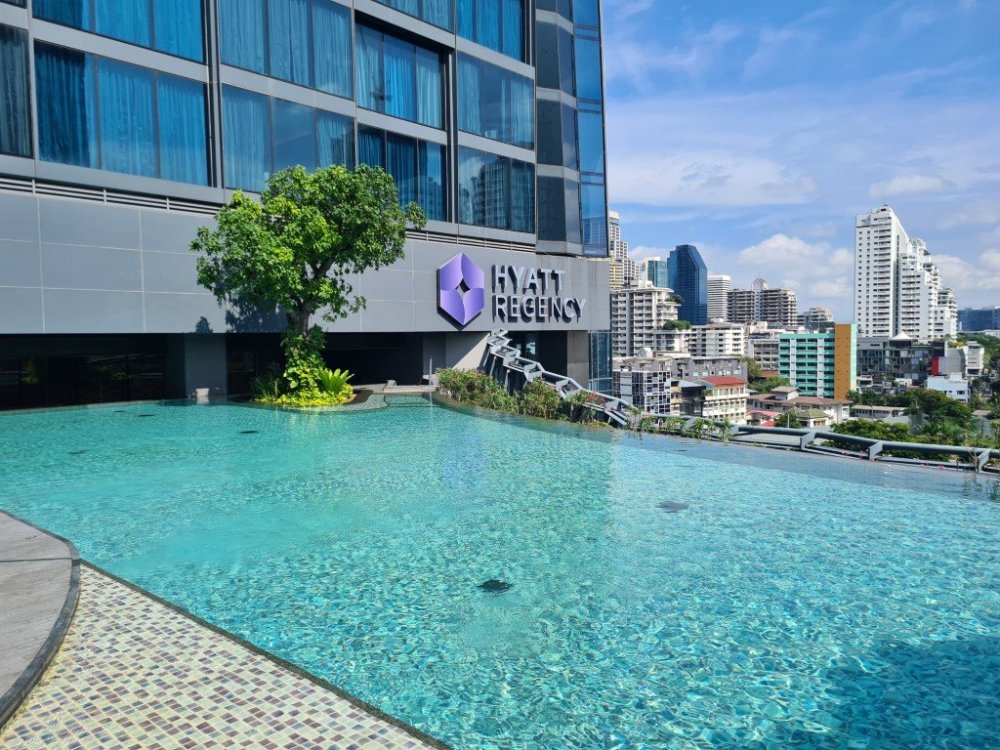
[(461, 289)]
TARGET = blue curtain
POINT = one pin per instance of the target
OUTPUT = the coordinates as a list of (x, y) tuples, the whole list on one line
[(469, 95), (430, 107), (371, 147), (522, 189), (74, 13), (332, 47), (410, 7), (178, 25), (497, 191), (127, 129), (402, 165), (183, 144), (400, 79), (241, 33), (128, 20), (522, 111), (288, 36), (335, 137), (471, 187), (466, 19), (431, 171), (438, 12), (294, 134), (369, 87), (15, 117), (513, 29), (64, 82), (246, 139), (488, 24)]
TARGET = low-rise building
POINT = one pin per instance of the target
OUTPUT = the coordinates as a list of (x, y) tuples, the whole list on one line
[(877, 413), (725, 399), (951, 386), (788, 398), (676, 385)]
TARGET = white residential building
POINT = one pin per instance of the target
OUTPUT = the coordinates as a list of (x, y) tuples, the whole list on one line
[(897, 287), (816, 318), (637, 314), (622, 268), (950, 385), (717, 340), (719, 286)]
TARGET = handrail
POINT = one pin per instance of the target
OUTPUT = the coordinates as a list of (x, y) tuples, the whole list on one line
[(499, 351)]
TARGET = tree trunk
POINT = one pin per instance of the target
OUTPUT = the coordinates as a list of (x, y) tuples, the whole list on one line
[(298, 320)]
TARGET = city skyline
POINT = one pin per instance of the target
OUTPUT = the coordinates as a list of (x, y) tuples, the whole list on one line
[(785, 122)]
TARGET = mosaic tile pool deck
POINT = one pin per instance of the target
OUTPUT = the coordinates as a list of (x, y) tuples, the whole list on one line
[(135, 674)]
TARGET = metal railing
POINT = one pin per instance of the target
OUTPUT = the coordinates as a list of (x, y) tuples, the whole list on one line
[(505, 362)]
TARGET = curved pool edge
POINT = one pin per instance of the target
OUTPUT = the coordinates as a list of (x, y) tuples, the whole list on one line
[(15, 696), (296, 670)]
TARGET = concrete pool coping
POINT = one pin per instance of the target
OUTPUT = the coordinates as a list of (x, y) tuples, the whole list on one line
[(52, 562)]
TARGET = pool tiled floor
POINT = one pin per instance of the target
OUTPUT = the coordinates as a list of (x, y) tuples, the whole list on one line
[(135, 674)]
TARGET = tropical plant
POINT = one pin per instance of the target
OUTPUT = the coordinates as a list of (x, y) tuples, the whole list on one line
[(294, 250)]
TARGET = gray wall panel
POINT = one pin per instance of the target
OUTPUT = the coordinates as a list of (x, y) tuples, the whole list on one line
[(18, 218), (19, 264), (385, 315), (184, 313), (171, 232), (68, 267), (70, 222), (20, 310), (170, 272), (80, 311)]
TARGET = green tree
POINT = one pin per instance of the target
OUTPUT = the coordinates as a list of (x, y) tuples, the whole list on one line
[(788, 419), (675, 325), (293, 250)]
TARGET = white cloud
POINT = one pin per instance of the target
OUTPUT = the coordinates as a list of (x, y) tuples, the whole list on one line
[(817, 272), (910, 183)]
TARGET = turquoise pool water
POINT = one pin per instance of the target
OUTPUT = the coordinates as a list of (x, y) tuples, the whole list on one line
[(775, 601)]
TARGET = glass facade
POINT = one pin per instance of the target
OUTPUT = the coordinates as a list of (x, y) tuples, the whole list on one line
[(100, 113), (171, 26), (437, 12), (306, 42), (15, 102), (398, 78), (689, 278), (111, 114), (262, 135), (418, 167), (495, 103), (494, 191), (496, 24)]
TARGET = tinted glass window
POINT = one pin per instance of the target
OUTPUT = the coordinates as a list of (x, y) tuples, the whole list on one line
[(416, 166), (246, 139), (306, 42), (398, 78), (437, 12), (175, 25), (495, 103), (294, 136), (15, 108), (585, 12), (591, 125), (496, 24), (495, 191), (588, 69), (100, 113)]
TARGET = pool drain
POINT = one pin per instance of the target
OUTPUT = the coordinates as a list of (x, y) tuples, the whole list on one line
[(671, 507), (495, 586), (249, 432)]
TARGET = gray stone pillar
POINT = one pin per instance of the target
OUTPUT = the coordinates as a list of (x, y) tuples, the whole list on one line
[(196, 360)]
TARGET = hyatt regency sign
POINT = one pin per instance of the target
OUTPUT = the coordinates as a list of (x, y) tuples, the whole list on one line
[(521, 294)]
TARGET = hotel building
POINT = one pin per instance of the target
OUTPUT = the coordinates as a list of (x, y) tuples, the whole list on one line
[(124, 127)]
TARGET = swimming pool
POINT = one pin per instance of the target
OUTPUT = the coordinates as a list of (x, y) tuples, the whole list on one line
[(772, 601)]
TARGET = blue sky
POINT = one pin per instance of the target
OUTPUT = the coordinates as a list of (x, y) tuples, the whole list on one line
[(757, 130)]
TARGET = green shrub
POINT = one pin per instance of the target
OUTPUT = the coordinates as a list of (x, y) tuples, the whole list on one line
[(540, 399)]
